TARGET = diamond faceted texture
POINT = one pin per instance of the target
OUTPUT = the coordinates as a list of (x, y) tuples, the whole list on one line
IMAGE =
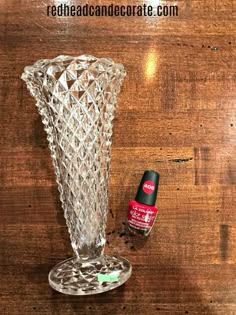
[(76, 98)]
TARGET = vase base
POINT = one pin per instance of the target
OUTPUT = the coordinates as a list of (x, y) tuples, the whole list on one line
[(76, 277)]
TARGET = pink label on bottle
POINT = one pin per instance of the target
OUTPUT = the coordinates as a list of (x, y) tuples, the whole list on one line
[(141, 216), (149, 187)]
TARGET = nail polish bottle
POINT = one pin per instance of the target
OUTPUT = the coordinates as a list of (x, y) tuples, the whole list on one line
[(142, 211)]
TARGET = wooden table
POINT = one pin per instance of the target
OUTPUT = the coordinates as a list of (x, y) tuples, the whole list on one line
[(176, 115)]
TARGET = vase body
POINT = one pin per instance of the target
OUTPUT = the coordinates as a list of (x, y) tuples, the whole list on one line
[(76, 98)]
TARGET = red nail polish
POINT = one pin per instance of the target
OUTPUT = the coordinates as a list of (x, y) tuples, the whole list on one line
[(142, 211)]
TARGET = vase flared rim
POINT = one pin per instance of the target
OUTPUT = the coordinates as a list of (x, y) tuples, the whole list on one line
[(44, 63)]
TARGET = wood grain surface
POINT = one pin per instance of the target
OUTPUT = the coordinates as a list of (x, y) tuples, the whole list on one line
[(176, 115)]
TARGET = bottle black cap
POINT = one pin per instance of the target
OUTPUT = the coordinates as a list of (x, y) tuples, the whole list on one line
[(147, 191)]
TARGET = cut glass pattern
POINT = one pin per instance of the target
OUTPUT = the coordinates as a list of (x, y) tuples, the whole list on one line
[(76, 98)]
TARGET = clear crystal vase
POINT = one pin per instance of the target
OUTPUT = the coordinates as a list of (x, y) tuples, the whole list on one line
[(76, 98)]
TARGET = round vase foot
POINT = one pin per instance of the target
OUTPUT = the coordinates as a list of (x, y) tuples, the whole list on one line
[(77, 277)]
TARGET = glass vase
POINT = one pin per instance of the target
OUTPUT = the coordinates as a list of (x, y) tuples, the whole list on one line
[(76, 98)]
